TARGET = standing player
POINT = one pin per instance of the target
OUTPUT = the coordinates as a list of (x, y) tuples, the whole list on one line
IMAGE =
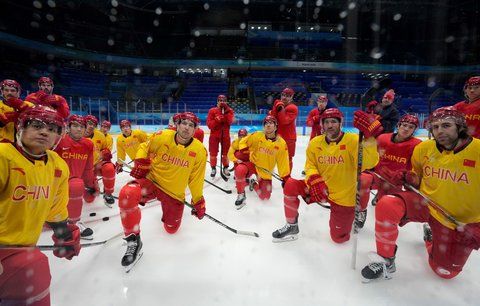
[(10, 104), (102, 162), (286, 112), (219, 119), (395, 150), (313, 119), (77, 152), (35, 191), (471, 106), (331, 169), (128, 143), (105, 129), (445, 170), (163, 167), (267, 149), (45, 96)]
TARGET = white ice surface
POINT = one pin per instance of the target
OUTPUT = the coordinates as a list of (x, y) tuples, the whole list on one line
[(205, 264)]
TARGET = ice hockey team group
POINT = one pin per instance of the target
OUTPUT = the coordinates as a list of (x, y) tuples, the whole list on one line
[(52, 161)]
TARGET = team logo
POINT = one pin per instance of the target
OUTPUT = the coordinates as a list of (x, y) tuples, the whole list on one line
[(19, 170)]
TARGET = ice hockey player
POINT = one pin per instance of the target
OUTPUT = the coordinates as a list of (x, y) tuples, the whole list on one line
[(77, 152), (199, 133), (102, 163), (163, 168), (331, 175), (105, 127), (313, 119), (10, 106), (471, 106), (128, 143), (45, 96), (395, 150), (234, 149), (286, 112), (35, 191), (445, 170), (387, 111), (266, 150), (219, 119)]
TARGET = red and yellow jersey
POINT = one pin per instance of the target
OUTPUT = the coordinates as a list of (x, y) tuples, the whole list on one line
[(129, 144), (31, 193), (235, 146), (175, 166), (7, 132), (79, 157), (286, 119), (450, 179), (99, 143), (109, 141), (266, 153), (472, 115), (336, 163), (395, 156)]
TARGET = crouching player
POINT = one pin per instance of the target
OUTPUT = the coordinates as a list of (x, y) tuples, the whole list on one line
[(35, 191), (164, 166)]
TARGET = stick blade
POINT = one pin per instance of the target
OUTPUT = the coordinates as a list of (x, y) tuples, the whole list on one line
[(247, 233)]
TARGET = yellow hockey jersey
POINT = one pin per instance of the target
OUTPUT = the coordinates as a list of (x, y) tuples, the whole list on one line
[(235, 146), (99, 143), (266, 153), (31, 193), (451, 180), (336, 163), (175, 166), (109, 141), (129, 145)]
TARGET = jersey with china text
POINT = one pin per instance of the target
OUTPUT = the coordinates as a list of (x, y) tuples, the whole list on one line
[(394, 156), (79, 157), (472, 115), (128, 145)]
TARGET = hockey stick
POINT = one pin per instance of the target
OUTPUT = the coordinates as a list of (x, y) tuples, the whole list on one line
[(275, 175), (429, 202), (42, 247), (89, 190), (369, 94), (229, 191)]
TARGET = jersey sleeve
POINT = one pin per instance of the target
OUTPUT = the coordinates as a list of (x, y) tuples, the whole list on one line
[(120, 149), (88, 173), (196, 180), (283, 164), (58, 211), (232, 149), (310, 162), (370, 156)]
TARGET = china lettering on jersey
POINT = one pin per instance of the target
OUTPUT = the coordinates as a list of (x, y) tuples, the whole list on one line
[(35, 192), (330, 160), (445, 174), (175, 160), (68, 155)]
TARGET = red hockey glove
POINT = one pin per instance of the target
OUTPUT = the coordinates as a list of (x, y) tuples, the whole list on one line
[(141, 168), (401, 177), (69, 243), (106, 155), (469, 235), (371, 106), (8, 117), (223, 105), (242, 155), (368, 124), (316, 120), (16, 103), (54, 101), (318, 190), (284, 180), (279, 106), (118, 167), (199, 208)]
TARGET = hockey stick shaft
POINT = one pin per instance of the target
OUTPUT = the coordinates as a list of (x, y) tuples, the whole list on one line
[(218, 187), (275, 175)]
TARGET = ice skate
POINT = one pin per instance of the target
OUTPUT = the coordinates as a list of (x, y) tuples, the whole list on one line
[(109, 200), (378, 268), (360, 219), (214, 172), (287, 233), (241, 200), (134, 252), (85, 232)]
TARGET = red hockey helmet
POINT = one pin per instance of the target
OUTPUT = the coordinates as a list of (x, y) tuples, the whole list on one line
[(41, 113), (389, 95), (44, 80), (242, 132), (332, 113), (270, 118), (475, 80), (11, 83), (189, 116), (408, 118), (222, 98), (448, 112), (125, 123), (106, 124), (288, 92), (91, 118), (77, 118)]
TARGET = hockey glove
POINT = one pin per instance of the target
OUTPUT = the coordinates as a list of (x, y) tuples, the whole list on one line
[(401, 177), (199, 208), (371, 106), (318, 190), (141, 168), (68, 242), (316, 120), (223, 105), (16, 103), (106, 155), (7, 117), (469, 235), (279, 106), (118, 167), (368, 124), (242, 155)]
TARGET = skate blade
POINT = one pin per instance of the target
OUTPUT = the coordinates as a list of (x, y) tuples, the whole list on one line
[(86, 238), (286, 239), (367, 280), (130, 267), (238, 207), (108, 205)]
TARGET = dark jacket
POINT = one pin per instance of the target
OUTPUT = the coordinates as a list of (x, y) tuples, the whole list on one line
[(389, 118)]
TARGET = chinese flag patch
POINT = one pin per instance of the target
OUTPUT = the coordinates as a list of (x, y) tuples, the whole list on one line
[(58, 173), (343, 147), (192, 154), (469, 163)]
